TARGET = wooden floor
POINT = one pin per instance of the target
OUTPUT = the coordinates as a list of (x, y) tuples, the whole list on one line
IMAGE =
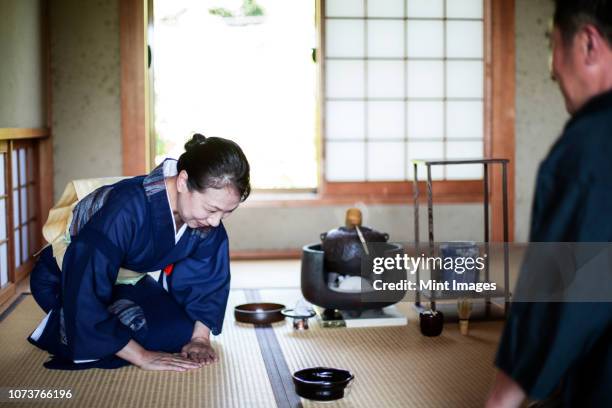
[(23, 286)]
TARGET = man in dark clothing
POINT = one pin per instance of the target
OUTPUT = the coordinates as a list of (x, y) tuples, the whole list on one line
[(567, 346)]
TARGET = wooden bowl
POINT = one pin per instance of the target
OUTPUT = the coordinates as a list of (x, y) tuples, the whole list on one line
[(259, 313)]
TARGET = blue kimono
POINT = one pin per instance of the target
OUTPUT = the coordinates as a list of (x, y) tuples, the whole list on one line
[(568, 345), (128, 224)]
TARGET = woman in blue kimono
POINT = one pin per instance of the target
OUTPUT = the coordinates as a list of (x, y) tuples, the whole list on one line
[(169, 220)]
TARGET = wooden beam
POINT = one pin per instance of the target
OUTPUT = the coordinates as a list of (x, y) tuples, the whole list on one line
[(250, 255), (352, 200), (45, 167), (502, 113), (444, 191), (134, 114), (45, 181), (23, 133)]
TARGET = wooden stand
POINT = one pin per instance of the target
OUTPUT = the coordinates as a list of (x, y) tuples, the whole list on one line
[(487, 296)]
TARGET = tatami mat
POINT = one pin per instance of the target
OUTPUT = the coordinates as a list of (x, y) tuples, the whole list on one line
[(238, 380), (393, 366), (396, 366)]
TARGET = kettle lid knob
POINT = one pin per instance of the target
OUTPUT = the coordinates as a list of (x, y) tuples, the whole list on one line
[(353, 217)]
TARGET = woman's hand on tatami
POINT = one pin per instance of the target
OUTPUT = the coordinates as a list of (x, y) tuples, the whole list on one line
[(200, 350), (159, 361), (155, 360)]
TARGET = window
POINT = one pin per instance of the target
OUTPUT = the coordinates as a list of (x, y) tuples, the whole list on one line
[(243, 70), (19, 209), (403, 80)]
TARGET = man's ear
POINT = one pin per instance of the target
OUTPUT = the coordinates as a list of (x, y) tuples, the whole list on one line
[(591, 44), (181, 182)]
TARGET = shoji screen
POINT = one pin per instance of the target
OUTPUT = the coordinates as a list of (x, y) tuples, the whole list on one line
[(403, 80), (24, 202)]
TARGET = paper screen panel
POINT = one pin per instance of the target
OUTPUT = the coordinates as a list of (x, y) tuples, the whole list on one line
[(345, 161), (464, 79), (15, 168), (386, 38), (464, 119), (425, 38), (425, 79), (386, 161), (16, 208), (344, 8), (345, 79), (464, 9), (464, 172), (345, 38), (385, 120), (385, 79), (464, 39), (425, 8), (3, 219), (23, 202), (345, 120), (425, 119), (3, 264), (22, 167), (3, 188), (386, 8), (17, 246)]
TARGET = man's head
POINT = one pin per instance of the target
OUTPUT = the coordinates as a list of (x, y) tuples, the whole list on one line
[(582, 49)]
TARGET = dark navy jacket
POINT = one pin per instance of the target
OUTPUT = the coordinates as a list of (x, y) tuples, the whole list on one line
[(547, 345)]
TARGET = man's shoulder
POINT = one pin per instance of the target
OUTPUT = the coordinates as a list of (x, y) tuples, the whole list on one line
[(584, 150), (591, 128)]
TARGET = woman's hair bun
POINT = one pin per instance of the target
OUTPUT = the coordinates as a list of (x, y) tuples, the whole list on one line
[(196, 139)]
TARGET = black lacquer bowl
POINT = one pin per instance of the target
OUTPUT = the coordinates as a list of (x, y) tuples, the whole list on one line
[(259, 313), (322, 383)]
